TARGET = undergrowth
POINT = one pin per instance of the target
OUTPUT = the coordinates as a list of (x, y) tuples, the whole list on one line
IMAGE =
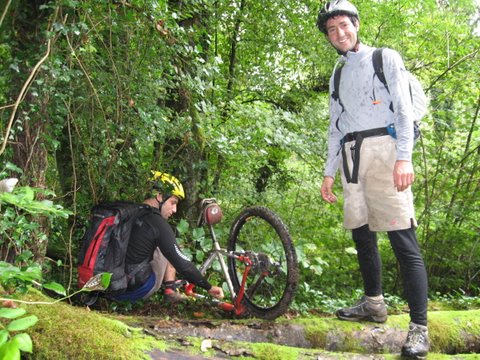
[(68, 332)]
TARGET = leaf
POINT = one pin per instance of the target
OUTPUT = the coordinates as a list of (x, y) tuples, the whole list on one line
[(310, 246), (98, 282), (24, 342), (28, 194), (33, 272), (10, 351), (13, 167), (106, 277), (182, 226), (198, 233), (317, 269), (22, 324), (7, 269), (24, 198), (10, 313), (59, 289), (351, 251), (3, 337)]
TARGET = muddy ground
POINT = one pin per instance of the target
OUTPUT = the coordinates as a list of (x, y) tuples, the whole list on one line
[(226, 335), (196, 331)]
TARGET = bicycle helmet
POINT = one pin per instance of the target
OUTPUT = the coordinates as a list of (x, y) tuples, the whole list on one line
[(334, 8), (168, 185)]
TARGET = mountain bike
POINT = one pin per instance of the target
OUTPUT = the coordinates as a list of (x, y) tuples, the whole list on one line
[(259, 264)]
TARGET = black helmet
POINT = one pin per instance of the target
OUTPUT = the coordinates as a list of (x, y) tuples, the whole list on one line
[(334, 8)]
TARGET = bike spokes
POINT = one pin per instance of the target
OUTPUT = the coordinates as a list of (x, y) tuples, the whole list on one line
[(261, 236)]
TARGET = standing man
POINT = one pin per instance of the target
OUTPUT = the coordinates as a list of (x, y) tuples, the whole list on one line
[(376, 170), (153, 252)]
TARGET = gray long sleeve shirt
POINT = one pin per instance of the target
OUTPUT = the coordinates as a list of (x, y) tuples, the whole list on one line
[(363, 110)]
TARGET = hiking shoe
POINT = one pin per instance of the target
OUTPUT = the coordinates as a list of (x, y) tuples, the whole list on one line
[(365, 309), (416, 346), (173, 297)]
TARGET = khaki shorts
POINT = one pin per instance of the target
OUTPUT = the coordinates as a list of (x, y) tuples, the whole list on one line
[(374, 200), (159, 266)]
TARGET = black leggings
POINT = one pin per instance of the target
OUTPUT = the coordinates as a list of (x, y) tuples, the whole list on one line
[(407, 252)]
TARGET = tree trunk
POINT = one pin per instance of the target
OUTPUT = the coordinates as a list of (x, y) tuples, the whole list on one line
[(28, 150), (185, 153)]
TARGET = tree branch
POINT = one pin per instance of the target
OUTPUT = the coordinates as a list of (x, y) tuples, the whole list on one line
[(22, 94), (5, 12), (451, 67)]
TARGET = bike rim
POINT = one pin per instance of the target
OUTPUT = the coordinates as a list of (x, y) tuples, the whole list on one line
[(269, 282)]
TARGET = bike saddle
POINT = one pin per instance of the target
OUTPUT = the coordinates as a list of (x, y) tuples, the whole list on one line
[(211, 213)]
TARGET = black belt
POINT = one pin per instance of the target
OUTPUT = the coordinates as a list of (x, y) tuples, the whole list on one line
[(358, 137)]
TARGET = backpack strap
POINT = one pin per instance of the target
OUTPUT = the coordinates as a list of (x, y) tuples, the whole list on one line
[(377, 61), (132, 270), (336, 89), (336, 82)]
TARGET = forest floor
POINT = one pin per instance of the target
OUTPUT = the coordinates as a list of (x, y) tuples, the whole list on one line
[(154, 330), (195, 331)]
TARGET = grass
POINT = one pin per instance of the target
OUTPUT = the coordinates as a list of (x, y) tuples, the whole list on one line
[(68, 332)]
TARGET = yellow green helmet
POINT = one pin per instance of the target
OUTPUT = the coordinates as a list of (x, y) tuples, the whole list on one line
[(167, 185)]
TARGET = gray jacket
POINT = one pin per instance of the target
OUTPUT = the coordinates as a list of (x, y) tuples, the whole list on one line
[(363, 110)]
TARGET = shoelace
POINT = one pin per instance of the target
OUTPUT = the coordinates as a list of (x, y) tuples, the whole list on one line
[(362, 302), (359, 303), (415, 336)]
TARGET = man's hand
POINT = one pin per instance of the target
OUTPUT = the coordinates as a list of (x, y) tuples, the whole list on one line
[(403, 175), (216, 292), (326, 190)]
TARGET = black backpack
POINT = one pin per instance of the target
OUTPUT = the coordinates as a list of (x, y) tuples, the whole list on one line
[(417, 95), (104, 245)]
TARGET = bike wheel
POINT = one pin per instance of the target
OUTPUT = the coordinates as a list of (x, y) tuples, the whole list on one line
[(271, 283)]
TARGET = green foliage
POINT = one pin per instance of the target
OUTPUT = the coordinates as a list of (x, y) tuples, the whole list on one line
[(234, 98), (15, 279), (457, 300), (12, 345), (22, 224), (196, 245), (12, 321), (309, 299), (24, 198)]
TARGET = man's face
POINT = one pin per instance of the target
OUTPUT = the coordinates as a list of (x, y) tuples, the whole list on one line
[(169, 207), (342, 33)]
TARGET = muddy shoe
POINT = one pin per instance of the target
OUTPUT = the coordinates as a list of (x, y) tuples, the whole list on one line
[(365, 309), (416, 346), (171, 296)]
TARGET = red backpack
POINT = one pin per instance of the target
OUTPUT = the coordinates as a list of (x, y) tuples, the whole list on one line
[(104, 245)]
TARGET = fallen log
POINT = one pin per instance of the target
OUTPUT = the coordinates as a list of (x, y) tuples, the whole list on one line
[(451, 332)]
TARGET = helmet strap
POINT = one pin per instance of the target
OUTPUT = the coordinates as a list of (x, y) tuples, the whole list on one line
[(160, 204), (164, 199)]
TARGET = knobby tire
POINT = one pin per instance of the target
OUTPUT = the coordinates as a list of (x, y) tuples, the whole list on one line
[(261, 231)]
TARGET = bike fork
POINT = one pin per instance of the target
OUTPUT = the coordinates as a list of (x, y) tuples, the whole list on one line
[(239, 308), (237, 305)]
